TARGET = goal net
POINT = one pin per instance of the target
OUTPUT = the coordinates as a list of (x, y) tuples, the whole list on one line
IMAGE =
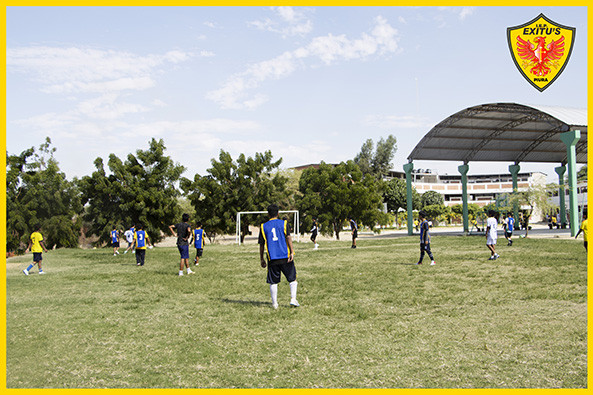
[(295, 226)]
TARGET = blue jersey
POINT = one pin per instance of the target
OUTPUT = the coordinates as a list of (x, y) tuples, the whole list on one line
[(114, 237), (199, 238), (274, 233), (510, 224), (140, 237), (424, 236)]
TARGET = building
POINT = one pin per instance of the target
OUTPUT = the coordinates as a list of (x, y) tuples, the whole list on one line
[(482, 189)]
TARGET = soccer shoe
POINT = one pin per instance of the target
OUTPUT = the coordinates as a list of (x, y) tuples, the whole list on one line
[(26, 272), (491, 258), (274, 306), (189, 271), (294, 303), (180, 274), (419, 263), (125, 252), (114, 254), (496, 256), (41, 272), (433, 263)]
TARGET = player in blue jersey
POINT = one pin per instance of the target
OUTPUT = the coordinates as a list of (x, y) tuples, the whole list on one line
[(354, 229), (275, 241), (424, 238), (509, 225), (115, 241), (141, 241), (198, 240)]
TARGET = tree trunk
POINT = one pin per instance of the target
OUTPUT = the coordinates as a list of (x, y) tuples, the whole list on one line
[(337, 231)]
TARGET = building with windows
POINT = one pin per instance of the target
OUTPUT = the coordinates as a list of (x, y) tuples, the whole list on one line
[(482, 189)]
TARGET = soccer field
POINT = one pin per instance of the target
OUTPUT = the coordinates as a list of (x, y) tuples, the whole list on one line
[(369, 318)]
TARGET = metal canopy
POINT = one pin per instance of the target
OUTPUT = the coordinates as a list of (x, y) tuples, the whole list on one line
[(504, 132)]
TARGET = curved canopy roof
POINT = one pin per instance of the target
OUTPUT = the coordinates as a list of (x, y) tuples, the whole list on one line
[(504, 132)]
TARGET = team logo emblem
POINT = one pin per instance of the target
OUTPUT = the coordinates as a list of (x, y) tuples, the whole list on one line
[(541, 49)]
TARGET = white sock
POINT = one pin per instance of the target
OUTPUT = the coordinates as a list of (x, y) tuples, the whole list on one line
[(181, 272), (274, 293), (293, 289)]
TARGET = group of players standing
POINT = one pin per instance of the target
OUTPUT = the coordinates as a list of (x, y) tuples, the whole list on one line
[(138, 241)]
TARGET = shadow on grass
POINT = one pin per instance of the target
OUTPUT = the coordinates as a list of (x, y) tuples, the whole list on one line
[(251, 302)]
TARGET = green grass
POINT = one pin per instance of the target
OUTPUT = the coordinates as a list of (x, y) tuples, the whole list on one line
[(369, 318)]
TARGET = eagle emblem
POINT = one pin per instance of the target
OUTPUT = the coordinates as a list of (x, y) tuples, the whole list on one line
[(541, 49)]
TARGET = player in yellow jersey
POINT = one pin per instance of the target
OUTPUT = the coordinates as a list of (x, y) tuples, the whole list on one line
[(36, 246)]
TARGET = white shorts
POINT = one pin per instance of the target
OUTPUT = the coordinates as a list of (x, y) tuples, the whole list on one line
[(490, 240)]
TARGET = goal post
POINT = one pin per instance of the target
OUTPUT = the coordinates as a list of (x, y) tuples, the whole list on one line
[(295, 226)]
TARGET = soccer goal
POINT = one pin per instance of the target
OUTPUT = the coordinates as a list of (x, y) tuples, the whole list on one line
[(295, 227)]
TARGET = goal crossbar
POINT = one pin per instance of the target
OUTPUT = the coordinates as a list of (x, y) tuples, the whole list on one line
[(295, 227)]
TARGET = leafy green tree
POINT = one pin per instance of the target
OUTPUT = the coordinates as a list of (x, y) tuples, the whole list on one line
[(249, 184), (582, 173), (377, 163), (430, 198), (437, 212), (332, 193), (535, 197), (37, 192), (140, 190), (395, 194)]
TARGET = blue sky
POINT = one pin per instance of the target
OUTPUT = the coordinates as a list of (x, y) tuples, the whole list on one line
[(307, 83)]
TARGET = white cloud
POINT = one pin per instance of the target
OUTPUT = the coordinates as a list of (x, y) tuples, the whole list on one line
[(107, 107), (382, 40), (460, 12), (65, 70), (290, 22)]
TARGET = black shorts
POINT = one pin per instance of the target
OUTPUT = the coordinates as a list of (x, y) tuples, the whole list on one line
[(199, 252), (508, 234), (355, 234), (115, 244), (37, 257), (274, 272)]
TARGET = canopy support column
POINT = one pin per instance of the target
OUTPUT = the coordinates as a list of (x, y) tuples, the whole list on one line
[(560, 170), (463, 169), (514, 169), (570, 138), (408, 167)]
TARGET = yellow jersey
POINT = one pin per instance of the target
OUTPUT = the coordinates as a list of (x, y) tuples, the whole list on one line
[(36, 239), (584, 226)]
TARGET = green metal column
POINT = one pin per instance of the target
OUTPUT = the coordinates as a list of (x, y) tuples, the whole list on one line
[(514, 169), (463, 169), (560, 170), (570, 139), (408, 167)]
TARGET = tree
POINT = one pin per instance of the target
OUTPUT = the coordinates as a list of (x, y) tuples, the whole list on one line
[(582, 173), (37, 192), (332, 193), (436, 212), (141, 189), (378, 163), (395, 194), (430, 198), (536, 197), (249, 184)]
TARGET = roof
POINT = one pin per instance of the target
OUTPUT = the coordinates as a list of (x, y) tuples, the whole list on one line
[(504, 132)]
